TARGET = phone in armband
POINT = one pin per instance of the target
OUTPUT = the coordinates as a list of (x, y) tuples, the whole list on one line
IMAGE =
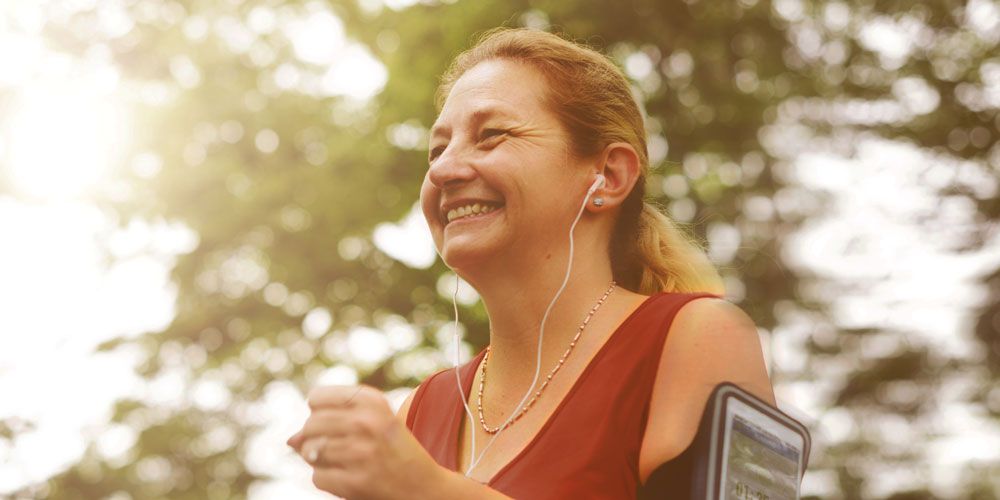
[(748, 449)]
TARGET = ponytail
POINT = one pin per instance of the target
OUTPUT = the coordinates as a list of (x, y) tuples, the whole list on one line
[(670, 259)]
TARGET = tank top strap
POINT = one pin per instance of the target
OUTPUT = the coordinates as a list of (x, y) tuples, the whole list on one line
[(637, 360), (437, 407)]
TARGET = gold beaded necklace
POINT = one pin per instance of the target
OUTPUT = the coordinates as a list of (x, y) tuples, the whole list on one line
[(548, 378)]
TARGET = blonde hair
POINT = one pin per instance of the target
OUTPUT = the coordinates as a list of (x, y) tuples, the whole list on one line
[(589, 94)]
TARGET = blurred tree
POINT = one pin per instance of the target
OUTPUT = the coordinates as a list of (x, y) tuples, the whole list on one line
[(284, 180), (920, 76)]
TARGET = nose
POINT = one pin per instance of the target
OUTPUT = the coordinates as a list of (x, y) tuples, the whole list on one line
[(450, 168)]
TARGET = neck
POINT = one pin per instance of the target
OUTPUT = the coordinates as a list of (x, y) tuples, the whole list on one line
[(516, 298)]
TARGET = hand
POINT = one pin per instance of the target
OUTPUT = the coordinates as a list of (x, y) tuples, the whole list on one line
[(359, 449)]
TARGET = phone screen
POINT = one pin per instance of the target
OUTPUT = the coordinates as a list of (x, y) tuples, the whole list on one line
[(761, 457)]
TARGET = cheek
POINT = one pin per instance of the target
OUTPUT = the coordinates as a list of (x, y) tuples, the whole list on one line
[(429, 204)]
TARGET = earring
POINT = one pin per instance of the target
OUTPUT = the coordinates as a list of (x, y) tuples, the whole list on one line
[(598, 201)]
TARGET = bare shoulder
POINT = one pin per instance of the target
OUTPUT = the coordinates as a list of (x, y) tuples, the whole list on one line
[(404, 408), (716, 341), (711, 340)]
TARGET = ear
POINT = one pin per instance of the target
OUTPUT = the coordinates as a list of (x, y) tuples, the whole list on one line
[(621, 170)]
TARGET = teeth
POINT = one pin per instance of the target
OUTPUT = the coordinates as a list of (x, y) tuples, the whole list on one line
[(467, 210)]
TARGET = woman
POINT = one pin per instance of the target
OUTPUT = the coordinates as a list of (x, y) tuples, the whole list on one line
[(636, 341)]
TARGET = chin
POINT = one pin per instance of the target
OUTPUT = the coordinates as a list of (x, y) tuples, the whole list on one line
[(462, 256)]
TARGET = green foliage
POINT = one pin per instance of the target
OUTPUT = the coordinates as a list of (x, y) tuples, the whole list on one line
[(287, 232)]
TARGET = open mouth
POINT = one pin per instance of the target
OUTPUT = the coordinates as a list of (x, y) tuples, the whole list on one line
[(471, 211)]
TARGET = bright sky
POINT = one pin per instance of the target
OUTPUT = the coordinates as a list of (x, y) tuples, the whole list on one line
[(60, 142), (59, 301)]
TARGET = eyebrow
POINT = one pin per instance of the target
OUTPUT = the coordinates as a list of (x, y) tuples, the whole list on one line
[(478, 116)]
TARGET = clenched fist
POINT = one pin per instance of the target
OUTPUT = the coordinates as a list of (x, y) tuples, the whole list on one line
[(359, 449)]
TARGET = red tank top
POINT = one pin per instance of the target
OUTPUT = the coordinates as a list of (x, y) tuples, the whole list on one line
[(589, 446)]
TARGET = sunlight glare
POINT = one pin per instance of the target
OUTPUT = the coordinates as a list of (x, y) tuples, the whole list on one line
[(62, 142)]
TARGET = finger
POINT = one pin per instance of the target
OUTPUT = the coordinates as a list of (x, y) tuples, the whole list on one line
[(334, 395), (296, 440), (330, 422), (336, 480), (313, 449), (326, 452)]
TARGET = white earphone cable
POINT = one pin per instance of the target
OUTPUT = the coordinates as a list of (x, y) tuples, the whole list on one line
[(541, 333)]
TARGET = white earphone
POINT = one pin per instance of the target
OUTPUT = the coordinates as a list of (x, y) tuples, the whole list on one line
[(599, 181)]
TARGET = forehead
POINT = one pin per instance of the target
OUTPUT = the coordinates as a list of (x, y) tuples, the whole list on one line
[(495, 88)]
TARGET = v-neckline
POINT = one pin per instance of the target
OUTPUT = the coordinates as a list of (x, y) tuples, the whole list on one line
[(467, 389)]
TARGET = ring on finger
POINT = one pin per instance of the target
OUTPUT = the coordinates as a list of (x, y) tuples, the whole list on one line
[(314, 455)]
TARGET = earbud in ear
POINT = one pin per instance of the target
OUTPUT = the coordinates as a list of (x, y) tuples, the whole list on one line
[(598, 183)]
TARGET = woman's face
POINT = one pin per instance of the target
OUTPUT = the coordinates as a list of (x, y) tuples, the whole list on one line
[(497, 150)]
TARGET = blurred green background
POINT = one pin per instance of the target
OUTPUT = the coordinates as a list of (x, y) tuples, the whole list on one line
[(207, 207)]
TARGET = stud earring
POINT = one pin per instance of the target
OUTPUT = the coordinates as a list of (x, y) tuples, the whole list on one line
[(598, 201)]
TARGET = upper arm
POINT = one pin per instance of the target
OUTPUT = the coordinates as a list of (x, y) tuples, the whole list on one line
[(710, 341)]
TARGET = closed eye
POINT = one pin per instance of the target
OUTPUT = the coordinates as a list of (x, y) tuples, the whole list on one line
[(489, 133), (493, 132)]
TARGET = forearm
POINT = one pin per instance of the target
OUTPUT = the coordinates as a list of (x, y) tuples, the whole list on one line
[(454, 485)]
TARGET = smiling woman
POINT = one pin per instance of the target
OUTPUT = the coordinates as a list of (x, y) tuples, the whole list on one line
[(537, 167)]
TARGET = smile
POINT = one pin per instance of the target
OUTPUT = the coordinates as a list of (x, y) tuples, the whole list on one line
[(471, 211)]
